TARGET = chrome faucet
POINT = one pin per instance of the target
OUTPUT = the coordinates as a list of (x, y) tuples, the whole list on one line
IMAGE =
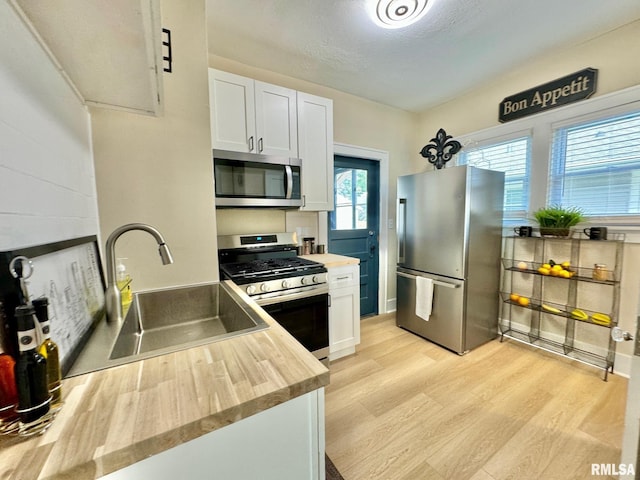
[(113, 296)]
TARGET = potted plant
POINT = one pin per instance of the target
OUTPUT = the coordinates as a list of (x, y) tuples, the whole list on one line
[(556, 220)]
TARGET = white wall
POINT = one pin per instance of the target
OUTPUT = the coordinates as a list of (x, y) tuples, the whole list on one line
[(47, 185)]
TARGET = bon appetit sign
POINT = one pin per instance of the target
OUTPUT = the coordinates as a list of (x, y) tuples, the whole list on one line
[(565, 90)]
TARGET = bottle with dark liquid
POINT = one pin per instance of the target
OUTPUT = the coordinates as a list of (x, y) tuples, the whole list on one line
[(49, 350), (30, 369)]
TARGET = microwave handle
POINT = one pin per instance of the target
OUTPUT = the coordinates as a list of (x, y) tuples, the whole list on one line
[(289, 186)]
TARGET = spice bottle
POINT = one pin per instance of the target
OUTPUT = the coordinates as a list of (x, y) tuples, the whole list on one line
[(30, 369), (8, 392), (49, 350), (600, 272)]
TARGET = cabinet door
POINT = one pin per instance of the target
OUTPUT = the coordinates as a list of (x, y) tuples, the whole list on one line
[(344, 313), (276, 120), (232, 110), (315, 147)]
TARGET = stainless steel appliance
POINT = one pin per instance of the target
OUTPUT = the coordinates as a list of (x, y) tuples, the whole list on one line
[(293, 290), (254, 180), (449, 231)]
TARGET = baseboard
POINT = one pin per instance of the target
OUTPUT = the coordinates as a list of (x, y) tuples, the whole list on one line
[(391, 305)]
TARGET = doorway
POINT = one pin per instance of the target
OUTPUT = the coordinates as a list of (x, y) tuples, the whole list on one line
[(354, 224)]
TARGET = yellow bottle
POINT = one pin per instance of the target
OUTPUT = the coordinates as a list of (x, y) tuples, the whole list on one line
[(49, 350), (124, 284)]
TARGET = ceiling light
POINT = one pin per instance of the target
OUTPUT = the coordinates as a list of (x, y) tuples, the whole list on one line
[(398, 13)]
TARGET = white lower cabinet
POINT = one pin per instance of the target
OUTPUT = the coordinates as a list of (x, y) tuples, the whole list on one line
[(285, 442), (344, 312)]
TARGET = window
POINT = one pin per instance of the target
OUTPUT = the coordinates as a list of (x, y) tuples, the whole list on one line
[(512, 157), (596, 166), (350, 198)]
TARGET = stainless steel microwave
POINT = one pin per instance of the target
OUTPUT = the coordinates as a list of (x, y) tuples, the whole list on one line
[(254, 180)]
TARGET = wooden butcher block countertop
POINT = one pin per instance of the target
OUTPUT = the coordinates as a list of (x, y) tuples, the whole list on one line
[(119, 416), (331, 260)]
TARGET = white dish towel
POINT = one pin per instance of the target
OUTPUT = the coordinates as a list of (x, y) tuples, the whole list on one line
[(424, 297)]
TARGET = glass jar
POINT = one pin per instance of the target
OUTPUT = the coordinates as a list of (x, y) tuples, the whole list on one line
[(600, 272)]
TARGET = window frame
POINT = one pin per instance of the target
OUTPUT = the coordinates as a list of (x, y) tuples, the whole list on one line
[(542, 126)]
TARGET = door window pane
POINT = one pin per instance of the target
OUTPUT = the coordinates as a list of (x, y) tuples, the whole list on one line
[(350, 199)]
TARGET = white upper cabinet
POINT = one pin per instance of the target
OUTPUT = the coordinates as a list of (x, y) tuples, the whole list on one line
[(252, 116), (276, 125), (232, 110), (315, 148)]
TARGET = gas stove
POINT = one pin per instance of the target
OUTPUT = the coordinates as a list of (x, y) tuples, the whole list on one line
[(266, 266), (293, 290)]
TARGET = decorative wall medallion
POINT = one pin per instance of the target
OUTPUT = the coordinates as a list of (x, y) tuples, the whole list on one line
[(441, 150), (399, 13)]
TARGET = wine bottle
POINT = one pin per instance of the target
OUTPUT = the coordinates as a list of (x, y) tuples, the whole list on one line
[(49, 350), (30, 369)]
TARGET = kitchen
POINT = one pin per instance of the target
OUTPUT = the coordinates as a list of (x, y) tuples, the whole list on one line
[(163, 147)]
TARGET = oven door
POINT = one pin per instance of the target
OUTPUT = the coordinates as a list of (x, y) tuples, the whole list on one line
[(305, 317)]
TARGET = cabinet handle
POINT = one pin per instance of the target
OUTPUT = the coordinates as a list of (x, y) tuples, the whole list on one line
[(260, 145), (343, 278), (251, 143)]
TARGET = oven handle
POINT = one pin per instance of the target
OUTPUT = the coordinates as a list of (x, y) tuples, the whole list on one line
[(293, 296)]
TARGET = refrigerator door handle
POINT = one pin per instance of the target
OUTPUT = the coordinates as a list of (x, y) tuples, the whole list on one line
[(435, 282), (402, 228)]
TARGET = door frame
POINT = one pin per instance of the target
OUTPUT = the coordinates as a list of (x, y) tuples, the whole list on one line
[(382, 157)]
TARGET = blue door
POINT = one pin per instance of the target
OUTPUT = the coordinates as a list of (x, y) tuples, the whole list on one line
[(354, 224)]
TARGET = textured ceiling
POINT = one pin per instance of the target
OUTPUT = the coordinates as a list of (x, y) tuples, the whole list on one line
[(456, 46)]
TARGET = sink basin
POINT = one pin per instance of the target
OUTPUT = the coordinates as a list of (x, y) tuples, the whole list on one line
[(181, 317), (168, 320)]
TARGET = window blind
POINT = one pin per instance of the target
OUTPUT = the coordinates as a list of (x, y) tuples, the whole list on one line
[(596, 166), (513, 158)]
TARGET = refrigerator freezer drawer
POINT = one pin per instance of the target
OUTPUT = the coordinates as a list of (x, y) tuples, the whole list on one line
[(446, 323)]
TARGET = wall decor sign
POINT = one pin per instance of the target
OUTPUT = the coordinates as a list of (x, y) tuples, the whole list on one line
[(565, 90)]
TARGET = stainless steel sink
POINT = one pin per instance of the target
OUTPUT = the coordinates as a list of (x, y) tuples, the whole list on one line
[(181, 317), (168, 320)]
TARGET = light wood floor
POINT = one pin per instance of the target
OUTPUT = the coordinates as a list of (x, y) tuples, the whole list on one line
[(404, 408)]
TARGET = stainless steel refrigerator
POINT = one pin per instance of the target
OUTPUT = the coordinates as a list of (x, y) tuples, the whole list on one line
[(449, 225)]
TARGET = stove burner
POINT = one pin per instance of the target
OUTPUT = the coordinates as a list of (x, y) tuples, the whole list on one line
[(268, 267)]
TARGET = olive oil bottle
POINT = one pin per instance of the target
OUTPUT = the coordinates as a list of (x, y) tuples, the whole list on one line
[(30, 369), (49, 350)]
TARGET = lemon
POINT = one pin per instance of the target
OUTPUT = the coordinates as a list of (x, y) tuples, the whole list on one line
[(514, 297), (544, 271), (565, 264), (524, 301), (546, 265)]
